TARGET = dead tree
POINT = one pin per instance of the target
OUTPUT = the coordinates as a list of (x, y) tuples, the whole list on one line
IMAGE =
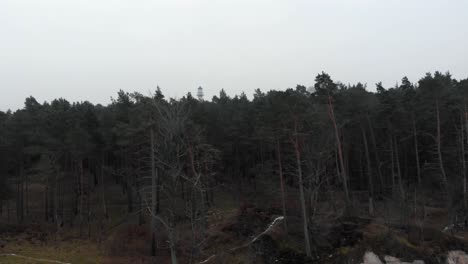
[(167, 155), (344, 176), (439, 149), (200, 156)]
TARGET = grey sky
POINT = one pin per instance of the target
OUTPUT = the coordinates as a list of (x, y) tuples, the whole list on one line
[(89, 49)]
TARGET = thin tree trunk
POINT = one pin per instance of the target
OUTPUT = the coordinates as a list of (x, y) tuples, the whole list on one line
[(8, 211), (465, 178), (173, 247), (397, 157), (392, 154), (89, 214), (154, 190), (340, 150), (361, 171), (197, 185), (439, 150), (416, 150), (301, 192), (20, 196), (46, 201), (76, 198), (128, 184), (103, 189), (158, 188), (462, 145), (337, 163), (377, 157), (26, 186), (88, 206), (81, 194), (56, 202), (202, 211), (369, 173), (280, 171)]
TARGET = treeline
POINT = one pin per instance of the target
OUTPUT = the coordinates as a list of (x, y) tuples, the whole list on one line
[(171, 156)]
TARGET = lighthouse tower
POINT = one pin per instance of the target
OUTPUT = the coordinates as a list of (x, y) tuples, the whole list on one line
[(200, 93)]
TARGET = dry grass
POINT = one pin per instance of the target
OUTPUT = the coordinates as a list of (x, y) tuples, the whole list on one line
[(72, 251)]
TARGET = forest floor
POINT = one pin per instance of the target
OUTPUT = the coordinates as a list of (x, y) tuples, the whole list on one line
[(231, 237), (76, 251), (228, 241)]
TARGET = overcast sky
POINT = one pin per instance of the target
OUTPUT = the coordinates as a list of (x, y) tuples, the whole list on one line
[(89, 49)]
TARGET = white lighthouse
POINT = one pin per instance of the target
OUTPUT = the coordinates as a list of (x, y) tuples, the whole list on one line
[(200, 93)]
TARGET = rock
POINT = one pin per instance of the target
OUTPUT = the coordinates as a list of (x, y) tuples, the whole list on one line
[(371, 258), (457, 257), (391, 260)]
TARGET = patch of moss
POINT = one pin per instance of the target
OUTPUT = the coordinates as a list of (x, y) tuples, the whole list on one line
[(344, 250), (404, 241)]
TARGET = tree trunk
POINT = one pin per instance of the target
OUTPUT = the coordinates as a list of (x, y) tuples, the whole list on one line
[(81, 195), (103, 189), (301, 192), (397, 157), (202, 211), (56, 202), (439, 150), (8, 211), (197, 188), (416, 150), (26, 186), (128, 185), (369, 173), (463, 161), (20, 196), (465, 196), (46, 200), (340, 150), (154, 190), (21, 204), (392, 154), (88, 206), (173, 247), (280, 171), (377, 157)]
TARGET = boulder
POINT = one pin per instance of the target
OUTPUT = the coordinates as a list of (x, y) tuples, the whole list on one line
[(371, 258), (457, 257)]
